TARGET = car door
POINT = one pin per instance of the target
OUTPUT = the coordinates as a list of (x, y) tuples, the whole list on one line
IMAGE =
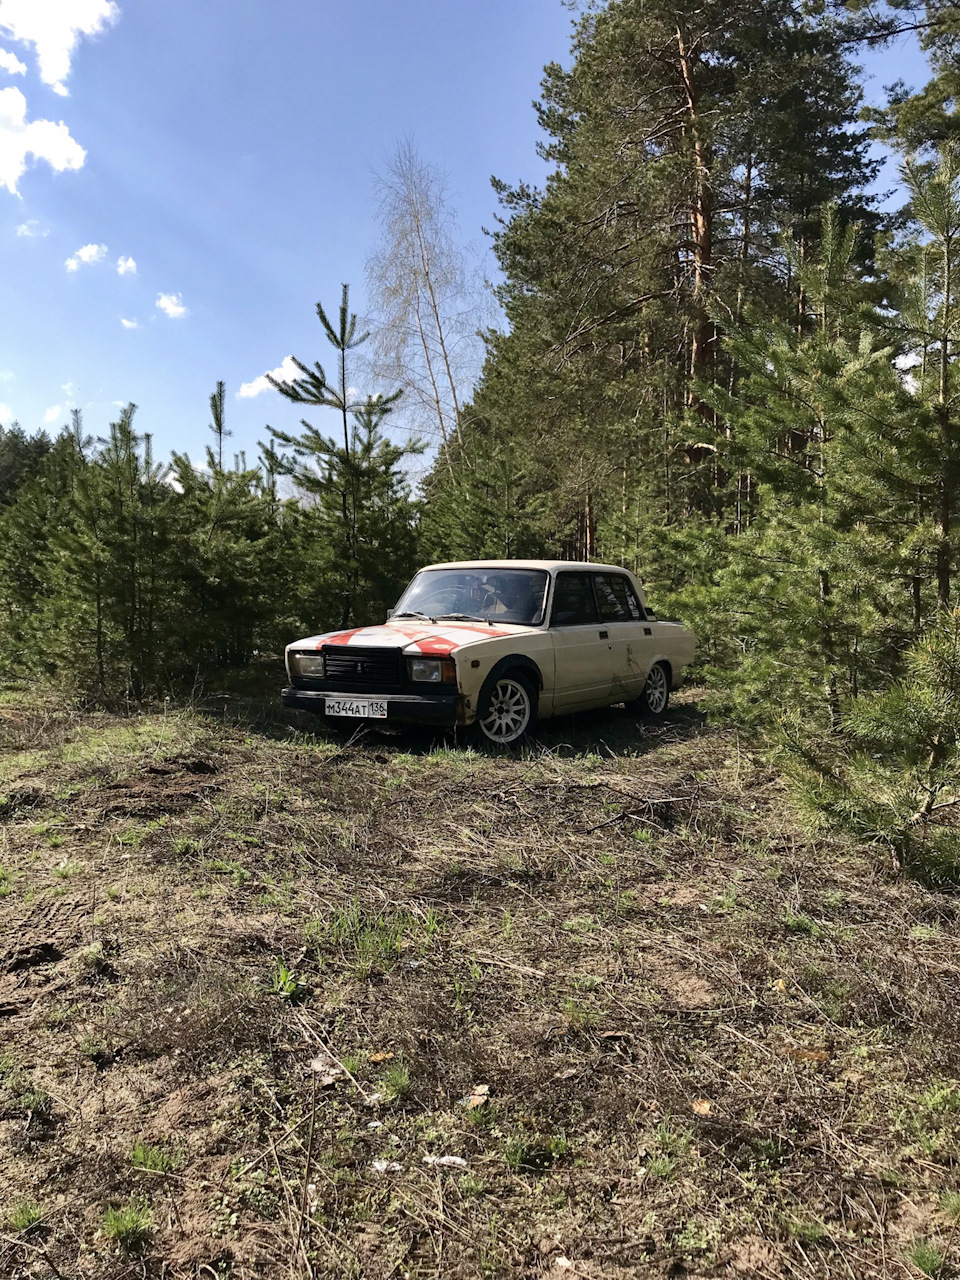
[(583, 660), (631, 637)]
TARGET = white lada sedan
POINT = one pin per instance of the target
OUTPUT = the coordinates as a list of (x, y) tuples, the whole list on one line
[(497, 644)]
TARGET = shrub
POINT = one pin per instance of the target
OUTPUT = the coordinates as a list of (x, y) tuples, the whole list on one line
[(891, 774)]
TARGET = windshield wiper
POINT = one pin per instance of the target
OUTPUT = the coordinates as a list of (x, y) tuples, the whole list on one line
[(413, 613), (461, 617)]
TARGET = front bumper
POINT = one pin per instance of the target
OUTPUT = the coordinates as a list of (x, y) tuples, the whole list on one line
[(441, 709)]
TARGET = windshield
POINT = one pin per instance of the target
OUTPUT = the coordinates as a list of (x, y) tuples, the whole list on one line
[(482, 595)]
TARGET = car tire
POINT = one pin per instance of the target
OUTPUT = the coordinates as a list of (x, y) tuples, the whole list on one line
[(508, 709), (655, 694)]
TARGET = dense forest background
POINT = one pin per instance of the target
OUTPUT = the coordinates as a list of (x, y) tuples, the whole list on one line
[(723, 364)]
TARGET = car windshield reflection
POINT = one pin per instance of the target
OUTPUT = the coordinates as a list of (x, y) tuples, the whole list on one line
[(477, 595)]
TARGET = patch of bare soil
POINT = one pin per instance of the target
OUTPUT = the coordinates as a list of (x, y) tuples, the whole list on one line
[(273, 1006)]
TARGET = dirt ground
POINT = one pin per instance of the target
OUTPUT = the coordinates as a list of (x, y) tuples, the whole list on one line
[(277, 1005)]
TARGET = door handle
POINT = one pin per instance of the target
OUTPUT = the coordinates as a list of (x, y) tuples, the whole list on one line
[(604, 635), (648, 631)]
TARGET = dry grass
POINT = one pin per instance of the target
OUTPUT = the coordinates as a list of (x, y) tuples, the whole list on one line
[(598, 1010)]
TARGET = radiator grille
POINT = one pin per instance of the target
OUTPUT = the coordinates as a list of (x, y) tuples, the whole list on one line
[(369, 670)]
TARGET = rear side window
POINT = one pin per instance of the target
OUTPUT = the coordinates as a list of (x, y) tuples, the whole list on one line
[(573, 602), (617, 599)]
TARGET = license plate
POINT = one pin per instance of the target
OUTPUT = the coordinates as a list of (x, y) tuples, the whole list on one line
[(361, 708)]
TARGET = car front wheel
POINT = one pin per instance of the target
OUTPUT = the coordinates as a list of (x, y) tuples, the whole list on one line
[(508, 711), (655, 694)]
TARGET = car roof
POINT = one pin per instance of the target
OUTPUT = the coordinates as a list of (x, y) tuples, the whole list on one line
[(551, 566)]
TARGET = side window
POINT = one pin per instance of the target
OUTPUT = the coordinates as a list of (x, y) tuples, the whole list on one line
[(617, 599), (573, 602)]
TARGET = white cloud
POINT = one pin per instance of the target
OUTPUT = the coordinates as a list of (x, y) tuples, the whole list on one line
[(54, 27), (33, 229), (52, 414), (42, 139), (171, 304), (10, 63), (284, 372), (129, 324), (126, 266), (88, 254), (6, 413)]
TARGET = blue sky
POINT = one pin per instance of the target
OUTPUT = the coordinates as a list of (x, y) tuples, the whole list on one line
[(230, 152), (205, 173)]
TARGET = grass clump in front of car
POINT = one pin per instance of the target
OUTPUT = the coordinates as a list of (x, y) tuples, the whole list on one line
[(371, 941)]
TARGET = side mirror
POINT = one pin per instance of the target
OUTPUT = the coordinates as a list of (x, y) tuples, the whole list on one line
[(390, 613)]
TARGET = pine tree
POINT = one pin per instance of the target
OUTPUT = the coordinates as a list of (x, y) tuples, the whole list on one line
[(692, 146), (812, 593), (891, 774), (20, 458), (222, 522), (39, 506), (363, 513)]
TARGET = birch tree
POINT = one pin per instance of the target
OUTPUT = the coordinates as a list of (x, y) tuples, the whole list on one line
[(430, 304)]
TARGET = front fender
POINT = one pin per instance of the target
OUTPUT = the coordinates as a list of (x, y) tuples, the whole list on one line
[(474, 680)]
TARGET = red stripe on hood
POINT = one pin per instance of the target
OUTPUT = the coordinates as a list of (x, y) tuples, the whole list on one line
[(341, 637), (441, 646), (433, 646)]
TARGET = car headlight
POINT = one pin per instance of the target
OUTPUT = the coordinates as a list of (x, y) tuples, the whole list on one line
[(307, 664), (432, 670)]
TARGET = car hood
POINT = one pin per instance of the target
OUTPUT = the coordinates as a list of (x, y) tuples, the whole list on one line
[(434, 639)]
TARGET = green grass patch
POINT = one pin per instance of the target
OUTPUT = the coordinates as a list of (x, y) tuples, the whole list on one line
[(372, 941), (23, 1215), (128, 1225)]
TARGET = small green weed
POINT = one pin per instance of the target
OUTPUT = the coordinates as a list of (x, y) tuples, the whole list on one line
[(579, 1017), (128, 1225), (531, 1154), (372, 942), (580, 924), (239, 875), (395, 1082), (67, 868), (93, 1049), (800, 924), (668, 1146), (285, 983), (930, 1120), (925, 1256), (133, 837), (29, 1099), (723, 903), (807, 1231), (23, 1216), (152, 1157), (926, 932)]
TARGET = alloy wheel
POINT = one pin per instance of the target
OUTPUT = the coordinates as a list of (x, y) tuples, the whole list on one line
[(509, 713), (656, 691)]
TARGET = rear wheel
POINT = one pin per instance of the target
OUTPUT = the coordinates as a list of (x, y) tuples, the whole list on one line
[(508, 710), (655, 693)]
